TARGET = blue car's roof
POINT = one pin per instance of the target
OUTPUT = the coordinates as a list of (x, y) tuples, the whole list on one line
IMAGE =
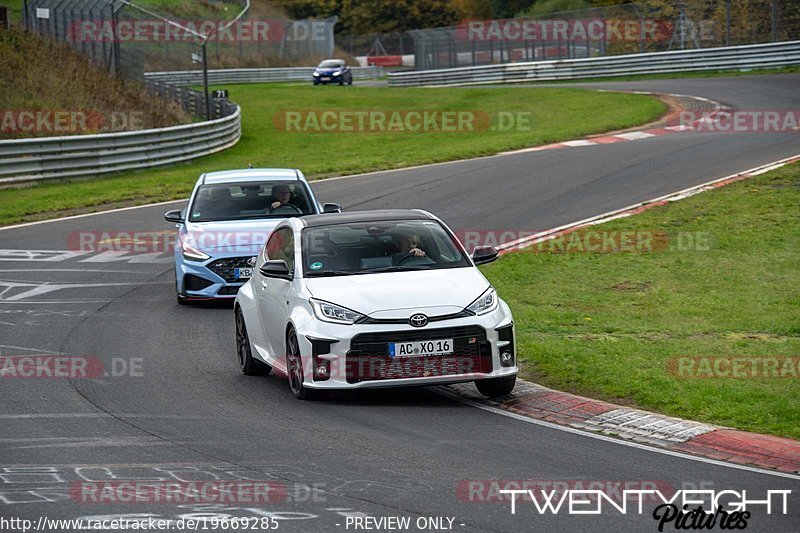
[(253, 174)]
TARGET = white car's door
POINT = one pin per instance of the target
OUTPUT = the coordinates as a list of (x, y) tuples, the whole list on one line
[(273, 293)]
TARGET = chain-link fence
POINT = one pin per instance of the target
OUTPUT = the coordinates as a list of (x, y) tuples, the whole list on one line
[(647, 26), (377, 44), (129, 40)]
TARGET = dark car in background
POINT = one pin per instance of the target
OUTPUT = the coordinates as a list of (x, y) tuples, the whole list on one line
[(333, 71)]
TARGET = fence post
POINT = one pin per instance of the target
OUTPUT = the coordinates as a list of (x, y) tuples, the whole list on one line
[(774, 12), (472, 42), (115, 51), (727, 22), (205, 81)]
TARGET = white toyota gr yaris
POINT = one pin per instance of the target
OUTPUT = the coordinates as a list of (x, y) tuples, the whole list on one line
[(373, 299)]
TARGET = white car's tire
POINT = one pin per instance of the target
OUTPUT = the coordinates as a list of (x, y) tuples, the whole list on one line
[(247, 363), (494, 387), (294, 369)]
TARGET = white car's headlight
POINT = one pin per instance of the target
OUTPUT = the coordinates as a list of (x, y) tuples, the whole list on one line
[(191, 253), (337, 314), (486, 303)]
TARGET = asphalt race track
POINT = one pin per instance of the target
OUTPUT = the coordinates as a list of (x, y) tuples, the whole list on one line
[(176, 407)]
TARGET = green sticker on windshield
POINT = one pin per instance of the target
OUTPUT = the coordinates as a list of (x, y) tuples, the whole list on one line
[(316, 265)]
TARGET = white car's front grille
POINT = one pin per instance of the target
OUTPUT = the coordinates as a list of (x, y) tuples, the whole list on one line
[(369, 359)]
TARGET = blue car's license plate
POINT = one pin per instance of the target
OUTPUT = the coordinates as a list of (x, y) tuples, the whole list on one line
[(242, 273)]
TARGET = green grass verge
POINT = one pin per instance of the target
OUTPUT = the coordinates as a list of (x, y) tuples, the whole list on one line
[(607, 324), (555, 114)]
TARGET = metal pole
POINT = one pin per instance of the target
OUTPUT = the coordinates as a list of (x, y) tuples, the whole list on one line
[(115, 48), (774, 13), (25, 18), (205, 81), (728, 22)]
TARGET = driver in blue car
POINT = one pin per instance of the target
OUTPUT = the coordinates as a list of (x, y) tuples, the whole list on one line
[(280, 196)]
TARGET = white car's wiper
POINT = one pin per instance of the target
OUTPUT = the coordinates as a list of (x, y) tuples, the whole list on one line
[(397, 268), (323, 273)]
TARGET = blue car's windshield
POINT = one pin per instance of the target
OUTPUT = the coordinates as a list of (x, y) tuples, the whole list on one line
[(372, 247), (331, 63), (240, 201)]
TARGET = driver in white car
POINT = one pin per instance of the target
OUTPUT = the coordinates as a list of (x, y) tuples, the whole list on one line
[(408, 244)]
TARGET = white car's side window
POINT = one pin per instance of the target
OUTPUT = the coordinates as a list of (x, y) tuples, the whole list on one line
[(281, 246)]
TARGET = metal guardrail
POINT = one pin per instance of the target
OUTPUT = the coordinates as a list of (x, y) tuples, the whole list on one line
[(252, 75), (37, 159), (706, 59)]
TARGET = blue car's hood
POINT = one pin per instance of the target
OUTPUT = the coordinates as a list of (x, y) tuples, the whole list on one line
[(328, 71), (245, 237)]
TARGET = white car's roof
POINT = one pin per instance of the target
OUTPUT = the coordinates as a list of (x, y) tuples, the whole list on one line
[(252, 174)]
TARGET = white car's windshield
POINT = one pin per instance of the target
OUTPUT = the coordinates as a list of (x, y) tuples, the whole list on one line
[(386, 246), (237, 201)]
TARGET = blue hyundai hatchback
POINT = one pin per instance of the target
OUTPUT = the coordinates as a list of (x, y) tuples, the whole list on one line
[(229, 216), (333, 71)]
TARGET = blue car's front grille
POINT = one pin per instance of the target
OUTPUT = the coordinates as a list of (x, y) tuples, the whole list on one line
[(228, 291), (224, 267), (195, 283)]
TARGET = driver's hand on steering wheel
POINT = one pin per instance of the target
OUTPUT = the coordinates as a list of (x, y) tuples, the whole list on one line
[(416, 252), (276, 204)]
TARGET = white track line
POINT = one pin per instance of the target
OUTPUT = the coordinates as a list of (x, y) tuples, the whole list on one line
[(83, 215), (623, 212), (605, 438)]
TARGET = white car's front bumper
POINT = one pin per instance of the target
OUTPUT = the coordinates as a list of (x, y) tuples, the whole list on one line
[(355, 361)]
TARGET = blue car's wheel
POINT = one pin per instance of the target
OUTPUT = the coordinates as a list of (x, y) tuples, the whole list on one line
[(248, 365)]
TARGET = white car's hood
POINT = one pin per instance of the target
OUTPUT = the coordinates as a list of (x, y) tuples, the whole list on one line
[(247, 236), (399, 294)]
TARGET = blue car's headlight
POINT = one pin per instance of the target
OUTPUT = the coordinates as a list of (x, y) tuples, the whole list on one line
[(328, 312), (336, 73), (486, 303), (316, 74), (190, 253)]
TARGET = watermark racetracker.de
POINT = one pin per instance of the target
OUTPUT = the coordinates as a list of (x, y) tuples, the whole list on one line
[(69, 367), (739, 121), (338, 120), (580, 29), (734, 367), (589, 240), (182, 30), (68, 121)]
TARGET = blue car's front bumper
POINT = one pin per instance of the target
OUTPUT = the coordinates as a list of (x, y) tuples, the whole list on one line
[(328, 77), (214, 278)]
